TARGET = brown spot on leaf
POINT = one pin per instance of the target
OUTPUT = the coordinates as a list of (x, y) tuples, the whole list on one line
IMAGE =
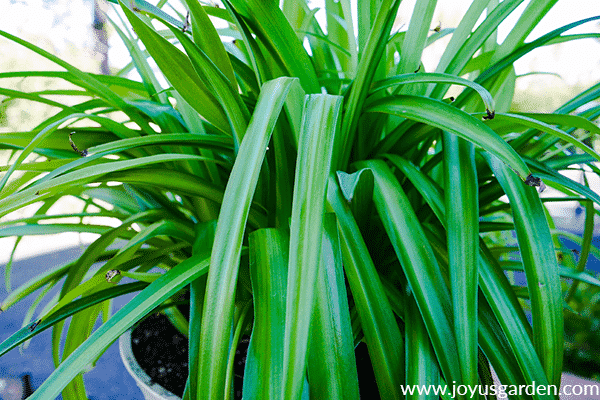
[(83, 153), (490, 114), (111, 274), (34, 325), (535, 181), (186, 26)]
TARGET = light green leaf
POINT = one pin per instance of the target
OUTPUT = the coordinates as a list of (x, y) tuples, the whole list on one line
[(178, 69), (320, 123), (268, 271), (225, 257), (148, 299)]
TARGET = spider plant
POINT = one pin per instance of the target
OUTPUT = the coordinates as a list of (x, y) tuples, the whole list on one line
[(314, 189)]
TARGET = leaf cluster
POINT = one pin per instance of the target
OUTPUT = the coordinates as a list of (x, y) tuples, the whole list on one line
[(311, 188)]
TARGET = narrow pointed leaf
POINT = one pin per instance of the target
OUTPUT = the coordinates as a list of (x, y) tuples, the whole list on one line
[(179, 71), (448, 118), (419, 265), (381, 332), (268, 271), (225, 257), (149, 298), (319, 126), (541, 269)]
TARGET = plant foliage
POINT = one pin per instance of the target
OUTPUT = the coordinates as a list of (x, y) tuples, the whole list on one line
[(314, 189)]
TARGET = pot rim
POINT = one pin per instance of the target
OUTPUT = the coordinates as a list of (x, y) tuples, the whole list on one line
[(147, 386)]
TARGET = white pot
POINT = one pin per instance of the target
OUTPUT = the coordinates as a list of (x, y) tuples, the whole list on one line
[(151, 390)]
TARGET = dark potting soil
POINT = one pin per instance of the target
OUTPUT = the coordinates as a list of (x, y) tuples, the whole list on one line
[(162, 351)]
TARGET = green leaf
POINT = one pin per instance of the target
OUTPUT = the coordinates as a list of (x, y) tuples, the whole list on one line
[(528, 20), (268, 271), (207, 38), (205, 236), (470, 45), (357, 189), (219, 85), (149, 298), (560, 182), (541, 269), (274, 31), (331, 362), (462, 226), (33, 284), (340, 29), (139, 59), (529, 122), (178, 69), (526, 48), (371, 52), (26, 333), (488, 101), (319, 126), (218, 307), (83, 176), (118, 128), (461, 34), (457, 122), (86, 80), (416, 36), (586, 246), (419, 265), (420, 357), (382, 335)]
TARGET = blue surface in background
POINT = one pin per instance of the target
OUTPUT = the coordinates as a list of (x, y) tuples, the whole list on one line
[(593, 264), (109, 380)]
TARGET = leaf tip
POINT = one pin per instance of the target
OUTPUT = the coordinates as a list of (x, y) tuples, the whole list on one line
[(490, 114), (186, 25), (83, 153), (111, 274), (34, 325), (535, 181)]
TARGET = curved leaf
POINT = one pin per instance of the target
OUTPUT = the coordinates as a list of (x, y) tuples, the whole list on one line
[(225, 257), (419, 265), (453, 120), (541, 269), (432, 77), (320, 123), (149, 298), (179, 71), (382, 334)]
